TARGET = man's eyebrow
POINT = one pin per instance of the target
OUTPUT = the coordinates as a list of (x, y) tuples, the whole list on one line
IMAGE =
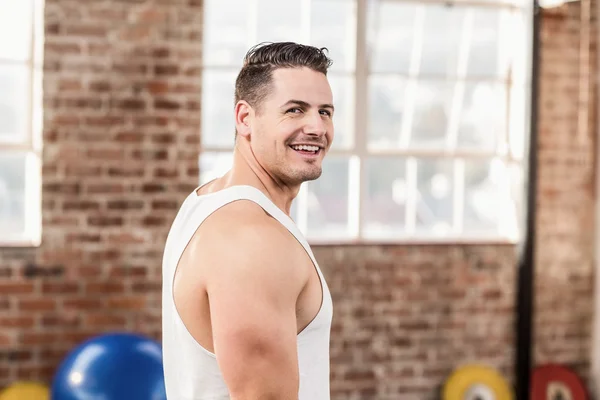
[(304, 104)]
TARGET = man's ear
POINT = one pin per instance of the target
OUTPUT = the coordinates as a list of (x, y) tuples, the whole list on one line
[(243, 116)]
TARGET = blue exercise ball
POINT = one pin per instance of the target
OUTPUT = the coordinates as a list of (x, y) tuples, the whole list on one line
[(114, 366)]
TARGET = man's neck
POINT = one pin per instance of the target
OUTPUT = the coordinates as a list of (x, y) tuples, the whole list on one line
[(247, 171)]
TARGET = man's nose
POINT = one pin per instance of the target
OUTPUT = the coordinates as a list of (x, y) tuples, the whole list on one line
[(316, 125)]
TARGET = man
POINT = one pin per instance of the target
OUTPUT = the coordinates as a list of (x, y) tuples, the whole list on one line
[(246, 310)]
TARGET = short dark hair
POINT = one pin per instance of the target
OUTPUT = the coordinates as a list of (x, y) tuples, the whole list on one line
[(254, 79)]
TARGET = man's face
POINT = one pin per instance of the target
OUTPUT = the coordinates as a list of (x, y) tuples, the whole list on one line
[(293, 128)]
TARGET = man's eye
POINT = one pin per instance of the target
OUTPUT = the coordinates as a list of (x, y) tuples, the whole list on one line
[(326, 112), (294, 110)]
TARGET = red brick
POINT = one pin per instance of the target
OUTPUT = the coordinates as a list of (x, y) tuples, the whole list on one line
[(154, 187), (125, 205), (158, 87), (5, 339), (15, 287), (60, 287), (22, 321), (100, 86), (162, 172), (104, 287), (125, 238), (86, 30), (80, 205), (39, 338), (83, 171), (105, 120), (41, 304), (152, 220), (82, 303), (67, 85), (146, 287), (105, 188), (127, 303), (129, 137), (105, 221), (130, 104), (87, 271), (126, 171), (165, 205), (133, 271), (166, 70), (62, 48), (166, 104), (105, 320), (150, 154), (65, 320), (105, 154)]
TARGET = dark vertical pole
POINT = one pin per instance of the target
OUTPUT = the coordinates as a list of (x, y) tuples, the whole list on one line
[(526, 275)]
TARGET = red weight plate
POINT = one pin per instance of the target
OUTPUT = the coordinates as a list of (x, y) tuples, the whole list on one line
[(555, 382)]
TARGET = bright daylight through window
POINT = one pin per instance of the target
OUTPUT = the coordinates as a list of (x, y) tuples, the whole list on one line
[(431, 112), (21, 48)]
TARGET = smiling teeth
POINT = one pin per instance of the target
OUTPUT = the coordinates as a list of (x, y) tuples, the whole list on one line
[(306, 148)]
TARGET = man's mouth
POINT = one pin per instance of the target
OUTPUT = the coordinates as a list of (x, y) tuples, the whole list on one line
[(306, 149)]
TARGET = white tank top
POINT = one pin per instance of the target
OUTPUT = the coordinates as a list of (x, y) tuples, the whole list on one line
[(190, 371)]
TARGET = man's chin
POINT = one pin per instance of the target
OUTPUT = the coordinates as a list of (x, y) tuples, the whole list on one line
[(305, 176)]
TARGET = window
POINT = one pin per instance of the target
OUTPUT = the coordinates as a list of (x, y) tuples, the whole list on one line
[(431, 113), (21, 28)]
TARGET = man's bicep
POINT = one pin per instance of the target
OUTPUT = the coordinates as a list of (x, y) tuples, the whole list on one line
[(253, 323)]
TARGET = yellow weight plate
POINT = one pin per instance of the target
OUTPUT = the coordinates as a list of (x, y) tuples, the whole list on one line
[(476, 382), (25, 391)]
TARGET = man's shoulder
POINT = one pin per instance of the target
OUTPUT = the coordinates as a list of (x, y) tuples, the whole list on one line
[(246, 242), (242, 225)]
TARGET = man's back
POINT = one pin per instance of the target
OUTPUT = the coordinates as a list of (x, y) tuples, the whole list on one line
[(193, 369)]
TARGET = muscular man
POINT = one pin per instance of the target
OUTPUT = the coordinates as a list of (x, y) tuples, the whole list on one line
[(246, 310)]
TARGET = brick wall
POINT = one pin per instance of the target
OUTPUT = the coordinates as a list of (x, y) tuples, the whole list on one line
[(405, 316), (121, 118)]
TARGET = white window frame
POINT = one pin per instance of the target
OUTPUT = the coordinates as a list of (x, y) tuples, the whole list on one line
[(360, 151), (32, 144)]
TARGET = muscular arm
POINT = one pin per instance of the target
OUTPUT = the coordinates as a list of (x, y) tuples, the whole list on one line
[(252, 292)]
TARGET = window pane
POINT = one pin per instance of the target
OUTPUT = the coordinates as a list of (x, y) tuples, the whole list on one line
[(328, 200), (432, 107), (16, 19), (434, 202), (442, 32), (14, 102), (333, 25), (488, 53), (226, 32), (391, 122), (218, 121), (386, 198), (279, 21), (214, 165), (488, 205), (391, 29), (343, 118), (386, 111), (483, 117), (12, 195)]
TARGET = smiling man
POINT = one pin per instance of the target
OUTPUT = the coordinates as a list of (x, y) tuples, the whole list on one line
[(246, 310)]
